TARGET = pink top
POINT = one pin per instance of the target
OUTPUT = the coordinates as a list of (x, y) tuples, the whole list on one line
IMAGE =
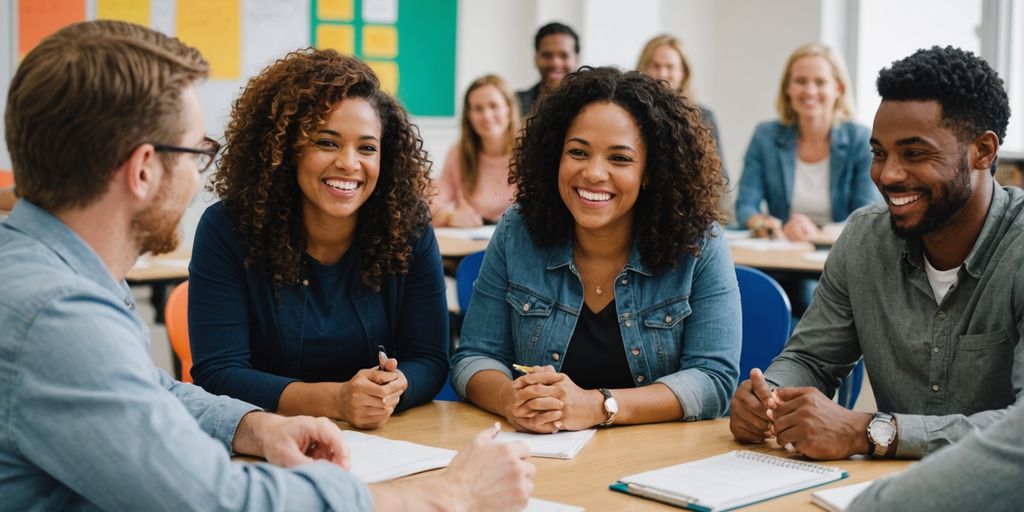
[(492, 195)]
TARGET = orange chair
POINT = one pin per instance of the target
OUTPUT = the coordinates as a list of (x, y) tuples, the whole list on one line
[(6, 178), (176, 319)]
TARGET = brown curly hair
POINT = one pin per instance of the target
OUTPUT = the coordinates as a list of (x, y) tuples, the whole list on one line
[(272, 122), (679, 204)]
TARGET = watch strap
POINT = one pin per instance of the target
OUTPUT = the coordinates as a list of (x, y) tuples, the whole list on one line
[(609, 414)]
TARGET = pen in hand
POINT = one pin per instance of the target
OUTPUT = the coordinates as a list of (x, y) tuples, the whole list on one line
[(382, 357), (522, 368)]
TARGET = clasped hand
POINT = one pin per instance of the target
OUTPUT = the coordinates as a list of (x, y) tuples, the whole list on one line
[(801, 419), (545, 401), (369, 398)]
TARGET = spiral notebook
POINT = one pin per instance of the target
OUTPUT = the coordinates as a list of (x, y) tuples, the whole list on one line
[(728, 481)]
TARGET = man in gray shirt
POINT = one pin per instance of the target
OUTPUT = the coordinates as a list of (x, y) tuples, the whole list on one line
[(105, 130), (927, 288)]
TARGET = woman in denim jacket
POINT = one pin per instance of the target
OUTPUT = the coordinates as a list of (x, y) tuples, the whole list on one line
[(608, 279)]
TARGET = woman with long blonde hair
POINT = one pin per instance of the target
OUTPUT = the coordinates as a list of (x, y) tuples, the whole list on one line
[(473, 187)]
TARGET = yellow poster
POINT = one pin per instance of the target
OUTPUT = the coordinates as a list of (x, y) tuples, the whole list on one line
[(135, 11), (335, 10), (214, 27), (341, 38), (387, 72), (380, 41)]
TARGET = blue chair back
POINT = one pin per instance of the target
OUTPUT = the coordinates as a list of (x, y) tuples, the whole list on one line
[(849, 389), (766, 317), (465, 276)]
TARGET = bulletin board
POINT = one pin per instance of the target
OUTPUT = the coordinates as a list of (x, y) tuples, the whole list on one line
[(410, 45)]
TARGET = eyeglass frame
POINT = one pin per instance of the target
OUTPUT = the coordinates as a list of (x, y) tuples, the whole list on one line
[(210, 152)]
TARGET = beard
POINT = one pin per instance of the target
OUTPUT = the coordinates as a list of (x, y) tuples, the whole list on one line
[(955, 195), (156, 228)]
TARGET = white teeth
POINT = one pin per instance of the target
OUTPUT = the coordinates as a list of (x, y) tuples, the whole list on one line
[(900, 201), (593, 196), (342, 184)]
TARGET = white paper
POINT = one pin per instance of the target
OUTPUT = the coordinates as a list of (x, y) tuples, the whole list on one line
[(838, 498), (380, 11), (816, 256), (480, 233), (376, 459), (560, 445), (539, 505), (766, 244)]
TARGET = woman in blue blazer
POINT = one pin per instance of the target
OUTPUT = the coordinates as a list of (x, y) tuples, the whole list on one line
[(320, 251), (813, 165)]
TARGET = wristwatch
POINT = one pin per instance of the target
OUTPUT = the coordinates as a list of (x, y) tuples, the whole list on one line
[(611, 408), (881, 433)]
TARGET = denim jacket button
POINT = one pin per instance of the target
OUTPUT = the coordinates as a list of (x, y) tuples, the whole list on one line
[(526, 307), (668, 319), (624, 282), (640, 378), (555, 356), (636, 351), (629, 323)]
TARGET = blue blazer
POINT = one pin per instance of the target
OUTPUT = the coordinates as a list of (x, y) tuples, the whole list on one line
[(770, 165)]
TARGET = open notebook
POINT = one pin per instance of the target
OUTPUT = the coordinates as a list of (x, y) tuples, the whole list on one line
[(727, 481), (560, 445), (376, 459)]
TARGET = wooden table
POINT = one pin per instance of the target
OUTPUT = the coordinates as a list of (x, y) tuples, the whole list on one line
[(803, 259), (458, 247), (159, 273), (611, 454)]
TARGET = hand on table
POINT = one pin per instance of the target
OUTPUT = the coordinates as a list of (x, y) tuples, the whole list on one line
[(816, 426), (751, 410), (369, 398), (800, 228), (547, 401), (493, 476), (290, 441)]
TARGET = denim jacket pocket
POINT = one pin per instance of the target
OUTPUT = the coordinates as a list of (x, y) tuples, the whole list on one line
[(530, 312), (663, 325)]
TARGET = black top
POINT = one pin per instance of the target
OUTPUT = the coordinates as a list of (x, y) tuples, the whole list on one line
[(596, 357)]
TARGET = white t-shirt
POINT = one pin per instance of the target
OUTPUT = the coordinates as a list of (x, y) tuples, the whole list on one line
[(811, 195), (940, 280)]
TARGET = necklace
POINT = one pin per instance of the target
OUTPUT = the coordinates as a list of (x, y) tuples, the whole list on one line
[(597, 290)]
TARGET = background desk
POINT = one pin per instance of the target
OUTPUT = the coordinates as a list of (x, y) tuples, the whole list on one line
[(611, 454), (159, 273)]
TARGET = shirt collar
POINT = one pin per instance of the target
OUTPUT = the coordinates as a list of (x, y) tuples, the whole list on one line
[(562, 256), (975, 262), (50, 231)]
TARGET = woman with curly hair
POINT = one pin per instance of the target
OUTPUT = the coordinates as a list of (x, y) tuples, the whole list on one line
[(319, 251), (474, 187), (609, 280)]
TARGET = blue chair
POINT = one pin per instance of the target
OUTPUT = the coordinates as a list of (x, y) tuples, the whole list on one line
[(766, 317), (465, 276), (849, 388)]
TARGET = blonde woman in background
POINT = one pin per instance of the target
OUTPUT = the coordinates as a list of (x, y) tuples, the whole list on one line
[(813, 164), (663, 58), (473, 187)]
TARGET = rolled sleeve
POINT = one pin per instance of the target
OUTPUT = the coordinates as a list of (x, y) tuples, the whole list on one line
[(691, 387), (218, 416), (467, 367)]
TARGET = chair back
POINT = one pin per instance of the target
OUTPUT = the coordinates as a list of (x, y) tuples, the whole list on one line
[(849, 389), (465, 276), (766, 317), (176, 319)]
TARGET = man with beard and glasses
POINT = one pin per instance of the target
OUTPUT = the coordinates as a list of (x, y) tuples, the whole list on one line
[(925, 287), (105, 130)]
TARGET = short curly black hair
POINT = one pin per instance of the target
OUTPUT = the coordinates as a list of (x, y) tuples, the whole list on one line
[(678, 205), (972, 96)]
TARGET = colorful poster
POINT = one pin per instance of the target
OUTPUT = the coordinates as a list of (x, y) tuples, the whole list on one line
[(214, 27), (40, 18), (135, 11)]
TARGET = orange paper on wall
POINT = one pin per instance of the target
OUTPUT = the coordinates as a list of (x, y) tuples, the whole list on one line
[(40, 18)]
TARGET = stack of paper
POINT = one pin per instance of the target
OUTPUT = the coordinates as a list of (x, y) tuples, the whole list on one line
[(376, 459), (838, 498), (560, 445), (539, 505), (480, 233)]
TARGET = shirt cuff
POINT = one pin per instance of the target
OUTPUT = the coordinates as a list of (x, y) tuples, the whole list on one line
[(912, 436), (691, 387), (466, 368), (231, 414)]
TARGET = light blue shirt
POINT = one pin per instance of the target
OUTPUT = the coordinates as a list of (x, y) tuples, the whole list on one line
[(680, 326), (87, 422)]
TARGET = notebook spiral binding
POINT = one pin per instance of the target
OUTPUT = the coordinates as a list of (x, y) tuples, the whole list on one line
[(785, 463)]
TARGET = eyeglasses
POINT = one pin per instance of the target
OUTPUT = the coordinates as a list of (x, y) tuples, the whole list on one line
[(204, 154)]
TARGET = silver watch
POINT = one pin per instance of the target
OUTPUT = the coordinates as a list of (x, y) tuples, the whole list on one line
[(611, 408), (881, 433)]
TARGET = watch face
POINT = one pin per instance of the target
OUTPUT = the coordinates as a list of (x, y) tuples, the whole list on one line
[(611, 405), (882, 432)]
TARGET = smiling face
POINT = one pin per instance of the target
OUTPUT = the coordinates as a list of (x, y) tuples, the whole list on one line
[(488, 112), (919, 166), (666, 64), (555, 58), (338, 169), (812, 88), (602, 168)]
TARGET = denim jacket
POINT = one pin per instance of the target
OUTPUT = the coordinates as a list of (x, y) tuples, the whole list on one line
[(680, 326)]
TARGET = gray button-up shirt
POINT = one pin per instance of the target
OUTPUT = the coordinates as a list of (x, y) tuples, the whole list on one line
[(87, 422), (942, 369)]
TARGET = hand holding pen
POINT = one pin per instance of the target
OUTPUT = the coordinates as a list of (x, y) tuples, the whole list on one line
[(544, 400), (370, 397)]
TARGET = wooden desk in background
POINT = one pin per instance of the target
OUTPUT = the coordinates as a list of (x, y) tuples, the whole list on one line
[(158, 273), (458, 247), (804, 259), (613, 453)]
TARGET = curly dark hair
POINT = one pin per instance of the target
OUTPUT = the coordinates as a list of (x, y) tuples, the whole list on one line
[(272, 122), (683, 172), (972, 96)]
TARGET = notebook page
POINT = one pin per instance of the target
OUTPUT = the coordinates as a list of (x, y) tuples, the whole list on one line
[(376, 459), (539, 505), (838, 498), (735, 478), (560, 445)]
